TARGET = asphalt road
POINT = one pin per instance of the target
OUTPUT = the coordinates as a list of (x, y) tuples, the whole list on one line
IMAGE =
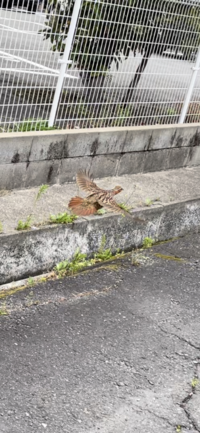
[(111, 350), (164, 80)]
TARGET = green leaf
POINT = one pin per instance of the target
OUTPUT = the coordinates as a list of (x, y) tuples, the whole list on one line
[(41, 191)]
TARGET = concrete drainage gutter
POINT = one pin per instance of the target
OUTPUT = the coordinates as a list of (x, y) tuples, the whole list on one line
[(37, 251)]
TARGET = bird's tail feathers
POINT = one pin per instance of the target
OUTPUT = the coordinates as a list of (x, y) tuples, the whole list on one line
[(81, 206), (75, 201)]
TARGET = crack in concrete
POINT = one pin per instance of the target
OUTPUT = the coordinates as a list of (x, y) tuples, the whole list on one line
[(162, 418), (189, 397), (179, 337), (193, 389), (189, 417)]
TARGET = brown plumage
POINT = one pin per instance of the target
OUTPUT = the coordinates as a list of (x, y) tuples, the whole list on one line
[(97, 198)]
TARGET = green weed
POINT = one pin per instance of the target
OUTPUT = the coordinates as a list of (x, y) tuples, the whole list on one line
[(101, 211), (3, 312), (148, 202), (30, 282), (171, 112), (78, 262), (194, 382), (124, 207), (42, 190), (32, 125), (1, 227), (122, 115), (24, 225), (103, 254), (62, 218), (3, 309), (148, 242)]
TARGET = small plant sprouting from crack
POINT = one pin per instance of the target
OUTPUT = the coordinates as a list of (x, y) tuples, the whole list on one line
[(103, 254), (101, 211), (26, 225), (1, 227), (31, 282), (150, 202), (178, 429), (148, 242), (124, 207), (62, 218), (3, 309), (78, 262), (42, 190), (194, 383), (81, 261)]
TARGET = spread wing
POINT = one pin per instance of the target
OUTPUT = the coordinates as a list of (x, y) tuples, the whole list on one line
[(82, 206), (110, 204), (85, 182)]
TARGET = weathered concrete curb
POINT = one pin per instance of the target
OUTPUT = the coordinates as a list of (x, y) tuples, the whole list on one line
[(37, 251), (34, 158)]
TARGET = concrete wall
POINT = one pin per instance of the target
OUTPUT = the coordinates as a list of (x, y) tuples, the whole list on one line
[(32, 252), (34, 158)]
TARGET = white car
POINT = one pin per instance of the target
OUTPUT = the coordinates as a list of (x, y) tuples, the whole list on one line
[(172, 53)]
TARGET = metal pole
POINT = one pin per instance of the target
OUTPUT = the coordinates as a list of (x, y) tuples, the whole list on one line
[(190, 89), (64, 61)]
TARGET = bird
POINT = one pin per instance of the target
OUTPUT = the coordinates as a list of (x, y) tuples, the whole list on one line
[(97, 198)]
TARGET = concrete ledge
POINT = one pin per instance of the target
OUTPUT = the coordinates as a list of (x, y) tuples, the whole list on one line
[(32, 158), (37, 251)]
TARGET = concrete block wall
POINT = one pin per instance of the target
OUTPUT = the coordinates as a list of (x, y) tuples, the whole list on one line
[(34, 158)]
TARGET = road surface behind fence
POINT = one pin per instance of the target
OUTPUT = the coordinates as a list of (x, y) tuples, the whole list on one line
[(89, 97)]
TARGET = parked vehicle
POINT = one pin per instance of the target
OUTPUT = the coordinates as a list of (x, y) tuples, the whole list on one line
[(173, 54)]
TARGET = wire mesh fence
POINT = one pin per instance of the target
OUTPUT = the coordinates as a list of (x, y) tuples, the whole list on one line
[(129, 63)]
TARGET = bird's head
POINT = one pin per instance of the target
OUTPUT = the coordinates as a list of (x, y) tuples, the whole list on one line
[(117, 189)]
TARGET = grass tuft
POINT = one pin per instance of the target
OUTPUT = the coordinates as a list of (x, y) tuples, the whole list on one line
[(62, 218), (194, 382), (81, 261), (103, 254), (30, 282), (148, 202), (124, 207), (78, 262), (32, 125), (26, 225), (148, 242), (42, 190), (101, 211), (3, 309)]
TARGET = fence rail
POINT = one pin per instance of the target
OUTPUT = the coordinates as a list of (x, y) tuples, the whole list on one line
[(98, 63)]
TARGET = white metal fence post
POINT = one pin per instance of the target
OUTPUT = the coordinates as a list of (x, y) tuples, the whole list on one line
[(64, 61), (195, 69)]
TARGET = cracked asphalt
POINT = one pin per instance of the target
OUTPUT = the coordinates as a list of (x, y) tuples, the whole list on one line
[(111, 350)]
